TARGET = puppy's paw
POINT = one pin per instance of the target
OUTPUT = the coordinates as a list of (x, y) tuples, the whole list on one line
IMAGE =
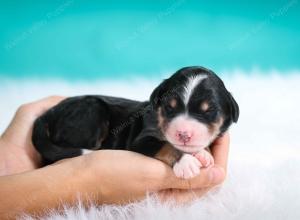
[(205, 158), (187, 167)]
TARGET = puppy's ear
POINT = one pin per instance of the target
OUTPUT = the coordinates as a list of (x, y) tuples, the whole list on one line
[(157, 95), (234, 108)]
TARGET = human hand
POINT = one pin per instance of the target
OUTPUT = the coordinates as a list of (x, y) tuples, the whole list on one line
[(106, 176), (190, 189), (188, 166), (17, 153), (140, 173), (117, 176)]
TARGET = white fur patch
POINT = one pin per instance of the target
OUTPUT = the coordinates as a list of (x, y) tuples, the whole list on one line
[(190, 86), (201, 137), (187, 167), (86, 151)]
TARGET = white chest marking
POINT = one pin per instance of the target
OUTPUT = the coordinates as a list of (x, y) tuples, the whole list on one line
[(86, 151)]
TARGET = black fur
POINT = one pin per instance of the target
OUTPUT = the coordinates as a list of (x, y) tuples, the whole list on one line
[(102, 122)]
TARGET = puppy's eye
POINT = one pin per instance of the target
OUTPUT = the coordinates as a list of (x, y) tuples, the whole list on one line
[(204, 106), (171, 105)]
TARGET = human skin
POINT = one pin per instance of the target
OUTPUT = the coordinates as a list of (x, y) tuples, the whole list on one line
[(101, 177)]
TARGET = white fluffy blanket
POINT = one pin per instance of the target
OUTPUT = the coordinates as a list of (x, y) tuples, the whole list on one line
[(264, 167)]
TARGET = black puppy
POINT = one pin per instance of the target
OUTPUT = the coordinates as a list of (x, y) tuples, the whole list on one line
[(185, 114)]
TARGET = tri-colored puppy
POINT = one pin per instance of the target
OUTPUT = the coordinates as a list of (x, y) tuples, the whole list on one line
[(185, 114)]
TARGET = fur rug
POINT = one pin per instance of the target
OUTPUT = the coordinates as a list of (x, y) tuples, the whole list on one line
[(263, 179)]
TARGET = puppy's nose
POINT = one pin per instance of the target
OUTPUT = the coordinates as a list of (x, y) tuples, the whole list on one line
[(184, 136)]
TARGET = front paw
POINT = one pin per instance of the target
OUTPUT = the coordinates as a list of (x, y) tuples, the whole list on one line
[(187, 167), (205, 158)]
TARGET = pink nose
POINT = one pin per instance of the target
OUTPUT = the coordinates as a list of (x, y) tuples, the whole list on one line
[(183, 136)]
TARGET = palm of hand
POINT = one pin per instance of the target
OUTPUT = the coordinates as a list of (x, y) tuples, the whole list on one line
[(16, 144)]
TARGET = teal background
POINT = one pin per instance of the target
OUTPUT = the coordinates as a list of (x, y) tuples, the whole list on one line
[(77, 39)]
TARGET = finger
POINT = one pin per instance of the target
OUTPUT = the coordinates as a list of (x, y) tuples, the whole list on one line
[(220, 150), (32, 110), (205, 159), (46, 103), (202, 160)]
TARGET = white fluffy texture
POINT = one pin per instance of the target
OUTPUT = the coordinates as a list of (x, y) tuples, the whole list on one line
[(263, 179)]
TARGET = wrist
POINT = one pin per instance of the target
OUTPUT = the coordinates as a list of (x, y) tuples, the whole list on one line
[(15, 160), (77, 180), (39, 190), (59, 184)]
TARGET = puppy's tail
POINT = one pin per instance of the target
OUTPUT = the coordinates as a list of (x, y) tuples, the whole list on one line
[(49, 151)]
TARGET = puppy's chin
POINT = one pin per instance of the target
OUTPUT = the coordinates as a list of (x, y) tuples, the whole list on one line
[(188, 149)]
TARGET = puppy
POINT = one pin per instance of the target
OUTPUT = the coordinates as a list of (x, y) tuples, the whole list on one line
[(185, 114)]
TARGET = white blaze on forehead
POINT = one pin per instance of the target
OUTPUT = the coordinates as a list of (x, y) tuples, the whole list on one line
[(190, 86)]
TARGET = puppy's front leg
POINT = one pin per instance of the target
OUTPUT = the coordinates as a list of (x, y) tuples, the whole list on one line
[(185, 165), (189, 165)]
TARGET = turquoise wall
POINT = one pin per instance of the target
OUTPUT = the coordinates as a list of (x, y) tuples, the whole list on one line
[(77, 39)]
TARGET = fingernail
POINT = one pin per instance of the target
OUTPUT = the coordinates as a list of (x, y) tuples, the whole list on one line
[(217, 175)]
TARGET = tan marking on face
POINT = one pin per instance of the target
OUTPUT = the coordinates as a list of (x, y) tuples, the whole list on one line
[(161, 120), (204, 106), (173, 103), (168, 154), (214, 129)]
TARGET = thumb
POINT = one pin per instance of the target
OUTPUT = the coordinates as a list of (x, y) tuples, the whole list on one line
[(208, 177)]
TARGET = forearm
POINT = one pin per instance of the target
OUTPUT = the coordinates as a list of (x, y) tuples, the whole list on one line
[(100, 177), (38, 190)]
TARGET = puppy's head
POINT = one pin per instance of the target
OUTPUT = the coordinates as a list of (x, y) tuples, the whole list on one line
[(193, 108)]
